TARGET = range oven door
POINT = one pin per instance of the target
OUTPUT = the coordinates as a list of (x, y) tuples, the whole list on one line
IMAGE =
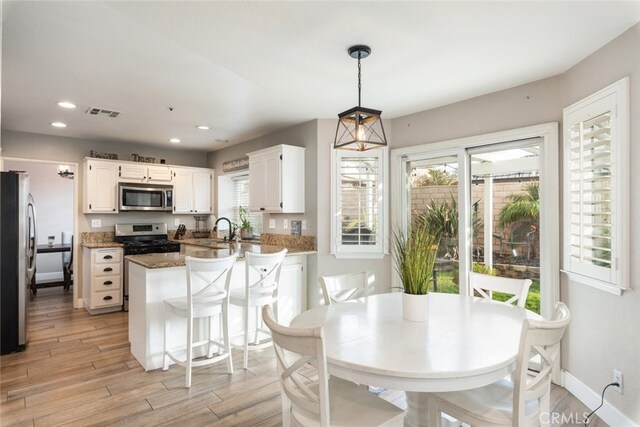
[(145, 197)]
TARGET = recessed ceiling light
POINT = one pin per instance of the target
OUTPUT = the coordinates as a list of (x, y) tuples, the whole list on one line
[(203, 127), (66, 104), (58, 125), (174, 140)]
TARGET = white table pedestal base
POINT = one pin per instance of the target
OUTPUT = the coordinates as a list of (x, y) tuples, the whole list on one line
[(418, 411)]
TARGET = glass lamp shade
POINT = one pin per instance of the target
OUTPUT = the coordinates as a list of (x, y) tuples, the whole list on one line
[(360, 129)]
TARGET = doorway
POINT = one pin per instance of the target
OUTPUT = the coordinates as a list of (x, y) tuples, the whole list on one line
[(54, 191)]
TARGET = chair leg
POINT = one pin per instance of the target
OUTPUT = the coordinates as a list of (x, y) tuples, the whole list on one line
[(245, 360), (227, 340), (210, 340), (167, 330), (256, 336), (189, 352)]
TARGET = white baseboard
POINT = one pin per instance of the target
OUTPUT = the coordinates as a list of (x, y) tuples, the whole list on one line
[(56, 276), (79, 303), (591, 399)]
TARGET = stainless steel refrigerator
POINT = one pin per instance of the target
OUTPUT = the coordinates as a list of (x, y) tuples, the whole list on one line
[(18, 239)]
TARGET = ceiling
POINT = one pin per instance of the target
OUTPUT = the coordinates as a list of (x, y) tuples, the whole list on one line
[(248, 68)]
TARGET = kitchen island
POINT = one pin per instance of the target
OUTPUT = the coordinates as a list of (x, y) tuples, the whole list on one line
[(155, 277)]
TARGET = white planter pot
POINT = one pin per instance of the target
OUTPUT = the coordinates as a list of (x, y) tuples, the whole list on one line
[(415, 307)]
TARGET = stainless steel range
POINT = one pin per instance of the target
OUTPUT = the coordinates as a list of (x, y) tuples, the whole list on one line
[(140, 239)]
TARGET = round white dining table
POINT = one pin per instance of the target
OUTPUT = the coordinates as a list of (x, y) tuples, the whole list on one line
[(466, 343)]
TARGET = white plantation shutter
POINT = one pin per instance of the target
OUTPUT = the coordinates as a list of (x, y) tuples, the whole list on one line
[(590, 165), (596, 189), (359, 202), (241, 198)]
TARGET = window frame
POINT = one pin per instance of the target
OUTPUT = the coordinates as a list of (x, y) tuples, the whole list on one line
[(226, 199), (380, 249), (615, 99)]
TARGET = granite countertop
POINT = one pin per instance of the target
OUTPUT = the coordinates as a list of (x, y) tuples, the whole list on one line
[(94, 245), (211, 249)]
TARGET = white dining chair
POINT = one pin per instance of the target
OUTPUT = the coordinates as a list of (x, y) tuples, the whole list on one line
[(325, 401), (485, 285), (255, 294), (521, 401), (344, 287), (208, 281)]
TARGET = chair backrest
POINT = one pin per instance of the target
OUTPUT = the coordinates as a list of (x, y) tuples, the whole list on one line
[(267, 267), (67, 237), (519, 288), (208, 278), (302, 345), (538, 337), (344, 287)]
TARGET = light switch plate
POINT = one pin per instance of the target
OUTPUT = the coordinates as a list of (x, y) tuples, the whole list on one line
[(272, 223), (176, 221), (96, 223), (304, 224), (285, 223)]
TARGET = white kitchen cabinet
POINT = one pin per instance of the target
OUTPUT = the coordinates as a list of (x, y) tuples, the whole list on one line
[(102, 279), (192, 190), (100, 186), (276, 179), (144, 173)]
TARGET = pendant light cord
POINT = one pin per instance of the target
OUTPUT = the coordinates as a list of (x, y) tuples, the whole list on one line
[(359, 77)]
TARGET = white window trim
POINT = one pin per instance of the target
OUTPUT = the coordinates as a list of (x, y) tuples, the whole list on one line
[(377, 251), (549, 198), (619, 91)]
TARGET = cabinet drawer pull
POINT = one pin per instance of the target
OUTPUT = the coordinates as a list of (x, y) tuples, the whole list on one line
[(107, 257), (261, 209), (108, 269), (107, 298), (108, 282)]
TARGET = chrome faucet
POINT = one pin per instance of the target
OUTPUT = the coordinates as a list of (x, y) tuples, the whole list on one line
[(232, 231)]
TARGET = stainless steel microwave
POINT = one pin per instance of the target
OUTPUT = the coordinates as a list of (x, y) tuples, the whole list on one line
[(145, 197)]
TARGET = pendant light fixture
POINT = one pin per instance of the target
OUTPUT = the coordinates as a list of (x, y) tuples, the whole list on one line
[(359, 128)]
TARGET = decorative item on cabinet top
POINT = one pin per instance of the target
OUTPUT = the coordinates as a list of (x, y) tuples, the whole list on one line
[(236, 164), (137, 158), (103, 155)]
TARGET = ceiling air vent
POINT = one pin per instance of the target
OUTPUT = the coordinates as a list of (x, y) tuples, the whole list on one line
[(103, 112)]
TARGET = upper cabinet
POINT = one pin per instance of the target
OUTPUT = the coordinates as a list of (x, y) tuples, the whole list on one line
[(276, 179), (192, 187), (192, 190), (144, 173), (100, 186)]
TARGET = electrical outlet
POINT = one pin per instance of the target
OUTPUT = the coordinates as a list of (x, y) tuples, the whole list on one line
[(272, 223), (617, 378), (96, 223), (176, 221), (304, 224), (285, 223)]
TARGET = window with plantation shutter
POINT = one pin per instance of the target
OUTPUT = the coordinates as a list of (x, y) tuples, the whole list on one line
[(358, 229), (241, 198), (596, 153)]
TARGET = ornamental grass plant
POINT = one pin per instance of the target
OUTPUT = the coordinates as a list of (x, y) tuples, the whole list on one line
[(415, 254)]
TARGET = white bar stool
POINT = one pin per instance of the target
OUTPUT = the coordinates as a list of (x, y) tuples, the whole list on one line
[(208, 281), (263, 291)]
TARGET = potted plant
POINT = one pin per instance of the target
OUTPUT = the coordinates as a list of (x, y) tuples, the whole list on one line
[(246, 230), (415, 254)]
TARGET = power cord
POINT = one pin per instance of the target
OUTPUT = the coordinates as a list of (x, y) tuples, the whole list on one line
[(588, 420)]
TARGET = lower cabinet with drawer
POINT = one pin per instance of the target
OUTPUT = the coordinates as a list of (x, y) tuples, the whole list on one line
[(102, 280)]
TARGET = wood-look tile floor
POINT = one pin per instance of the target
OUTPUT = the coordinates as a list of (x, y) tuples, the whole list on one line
[(77, 370)]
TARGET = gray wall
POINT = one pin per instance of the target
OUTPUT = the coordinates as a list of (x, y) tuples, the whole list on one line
[(605, 330)]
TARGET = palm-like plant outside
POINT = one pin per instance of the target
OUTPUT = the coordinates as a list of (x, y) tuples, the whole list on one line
[(522, 206)]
